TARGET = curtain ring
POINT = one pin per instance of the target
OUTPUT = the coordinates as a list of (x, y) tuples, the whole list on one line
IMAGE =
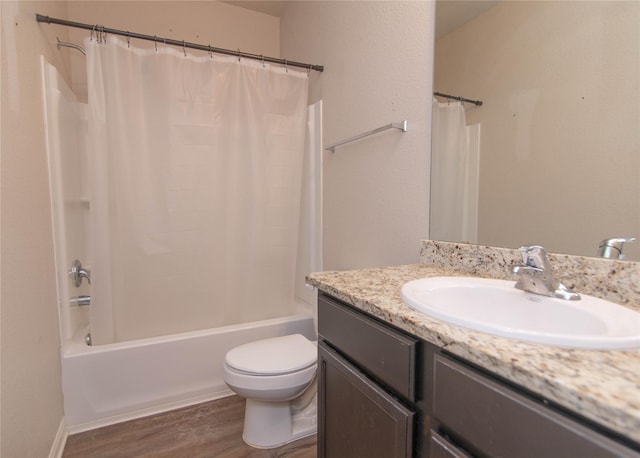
[(210, 52), (262, 58), (309, 71), (285, 66), (184, 49), (128, 39), (155, 42), (93, 29), (239, 54)]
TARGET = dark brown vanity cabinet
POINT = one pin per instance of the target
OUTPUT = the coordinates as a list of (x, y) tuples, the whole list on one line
[(384, 393)]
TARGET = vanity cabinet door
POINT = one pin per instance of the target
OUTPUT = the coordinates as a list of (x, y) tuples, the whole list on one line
[(356, 417)]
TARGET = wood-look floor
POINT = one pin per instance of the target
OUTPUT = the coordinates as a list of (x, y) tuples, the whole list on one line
[(211, 429)]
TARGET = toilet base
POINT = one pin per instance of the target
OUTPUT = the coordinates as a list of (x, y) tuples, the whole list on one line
[(271, 424)]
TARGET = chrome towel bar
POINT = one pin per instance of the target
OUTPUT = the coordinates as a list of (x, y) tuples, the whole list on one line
[(394, 125)]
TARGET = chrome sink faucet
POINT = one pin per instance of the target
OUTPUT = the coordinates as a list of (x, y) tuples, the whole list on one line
[(536, 276)]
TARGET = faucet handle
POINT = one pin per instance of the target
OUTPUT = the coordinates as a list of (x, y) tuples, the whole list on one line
[(77, 273), (535, 256)]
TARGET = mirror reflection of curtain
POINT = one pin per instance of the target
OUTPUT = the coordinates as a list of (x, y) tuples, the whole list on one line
[(455, 161), (196, 169)]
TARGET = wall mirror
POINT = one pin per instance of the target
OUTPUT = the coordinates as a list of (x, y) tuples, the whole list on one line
[(557, 138)]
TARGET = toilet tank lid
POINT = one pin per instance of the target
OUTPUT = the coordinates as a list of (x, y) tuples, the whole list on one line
[(278, 355)]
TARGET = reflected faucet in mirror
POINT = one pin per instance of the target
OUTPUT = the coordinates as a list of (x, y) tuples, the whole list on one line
[(536, 276), (612, 248)]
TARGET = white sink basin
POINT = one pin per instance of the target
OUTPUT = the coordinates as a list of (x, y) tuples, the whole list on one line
[(496, 307)]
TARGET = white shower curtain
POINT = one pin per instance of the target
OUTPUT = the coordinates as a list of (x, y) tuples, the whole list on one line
[(455, 149), (196, 169)]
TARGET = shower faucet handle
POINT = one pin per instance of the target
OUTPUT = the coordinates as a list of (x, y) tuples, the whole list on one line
[(77, 273)]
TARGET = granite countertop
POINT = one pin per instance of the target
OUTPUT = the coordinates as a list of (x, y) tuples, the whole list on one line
[(603, 386)]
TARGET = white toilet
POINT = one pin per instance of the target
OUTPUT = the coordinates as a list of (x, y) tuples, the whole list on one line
[(278, 378)]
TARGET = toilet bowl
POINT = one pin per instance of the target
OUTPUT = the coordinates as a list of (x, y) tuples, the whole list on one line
[(278, 378)]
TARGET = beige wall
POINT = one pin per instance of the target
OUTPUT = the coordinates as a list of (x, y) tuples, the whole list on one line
[(31, 408), (560, 82), (378, 65)]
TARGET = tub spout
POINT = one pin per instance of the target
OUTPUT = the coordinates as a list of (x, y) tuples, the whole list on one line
[(80, 300)]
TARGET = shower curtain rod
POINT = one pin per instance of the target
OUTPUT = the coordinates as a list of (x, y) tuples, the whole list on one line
[(183, 44), (454, 97)]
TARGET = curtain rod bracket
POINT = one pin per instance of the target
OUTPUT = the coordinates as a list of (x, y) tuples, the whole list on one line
[(70, 45)]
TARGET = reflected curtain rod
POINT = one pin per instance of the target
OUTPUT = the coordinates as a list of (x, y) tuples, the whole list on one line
[(454, 97), (183, 44)]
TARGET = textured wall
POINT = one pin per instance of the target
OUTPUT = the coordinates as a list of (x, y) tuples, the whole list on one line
[(378, 70), (31, 408)]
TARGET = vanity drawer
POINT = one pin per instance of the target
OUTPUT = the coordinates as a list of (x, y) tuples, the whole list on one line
[(384, 353), (488, 418)]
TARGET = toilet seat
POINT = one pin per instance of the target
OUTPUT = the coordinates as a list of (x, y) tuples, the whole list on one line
[(278, 368), (244, 383), (275, 356)]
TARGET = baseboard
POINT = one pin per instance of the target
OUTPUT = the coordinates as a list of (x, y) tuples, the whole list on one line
[(148, 411), (57, 448)]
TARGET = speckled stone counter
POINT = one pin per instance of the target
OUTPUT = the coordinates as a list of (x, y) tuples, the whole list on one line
[(603, 386)]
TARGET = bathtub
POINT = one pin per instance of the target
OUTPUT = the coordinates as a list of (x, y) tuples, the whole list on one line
[(112, 383)]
